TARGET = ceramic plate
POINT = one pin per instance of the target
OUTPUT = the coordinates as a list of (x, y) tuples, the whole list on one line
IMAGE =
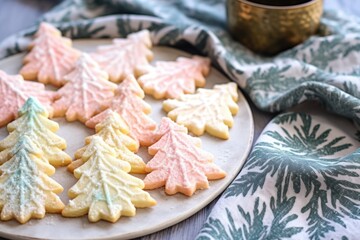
[(229, 155)]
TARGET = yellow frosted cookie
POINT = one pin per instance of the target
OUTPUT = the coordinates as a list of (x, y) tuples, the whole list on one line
[(105, 190), (26, 190), (207, 110), (114, 131), (33, 121), (36, 154)]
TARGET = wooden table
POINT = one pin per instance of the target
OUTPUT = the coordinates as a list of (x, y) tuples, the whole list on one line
[(16, 15)]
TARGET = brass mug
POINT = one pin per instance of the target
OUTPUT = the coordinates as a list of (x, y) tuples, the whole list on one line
[(274, 27)]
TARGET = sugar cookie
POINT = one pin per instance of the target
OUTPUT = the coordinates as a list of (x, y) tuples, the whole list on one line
[(125, 56), (33, 122), (14, 91), (26, 190), (51, 57), (179, 163), (172, 79), (207, 110), (105, 190), (31, 147), (128, 103), (86, 93), (114, 131)]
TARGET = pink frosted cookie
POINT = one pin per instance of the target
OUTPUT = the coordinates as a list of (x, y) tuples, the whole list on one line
[(51, 57), (125, 56), (87, 92), (129, 104), (14, 92), (172, 79), (179, 163)]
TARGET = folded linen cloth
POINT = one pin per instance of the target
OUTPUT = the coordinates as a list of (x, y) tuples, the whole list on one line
[(296, 184)]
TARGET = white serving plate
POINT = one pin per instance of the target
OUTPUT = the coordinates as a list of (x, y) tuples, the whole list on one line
[(230, 155)]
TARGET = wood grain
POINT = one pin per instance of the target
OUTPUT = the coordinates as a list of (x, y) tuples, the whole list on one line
[(16, 15)]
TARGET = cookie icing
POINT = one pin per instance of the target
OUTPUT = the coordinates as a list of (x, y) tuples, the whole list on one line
[(24, 144), (105, 190), (171, 79), (14, 91), (207, 110), (179, 163), (86, 93), (125, 56), (33, 122), (26, 191), (113, 130), (51, 57), (129, 104)]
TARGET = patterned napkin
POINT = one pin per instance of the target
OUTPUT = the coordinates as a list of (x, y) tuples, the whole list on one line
[(301, 178), (301, 181)]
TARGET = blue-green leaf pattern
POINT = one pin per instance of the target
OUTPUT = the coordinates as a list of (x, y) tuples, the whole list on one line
[(306, 173)]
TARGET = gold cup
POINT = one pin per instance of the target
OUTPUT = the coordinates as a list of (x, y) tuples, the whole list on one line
[(270, 29)]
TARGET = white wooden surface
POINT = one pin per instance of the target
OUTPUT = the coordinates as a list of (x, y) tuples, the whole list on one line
[(16, 15)]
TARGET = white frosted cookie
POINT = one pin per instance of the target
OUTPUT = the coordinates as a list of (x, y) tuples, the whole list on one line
[(207, 110)]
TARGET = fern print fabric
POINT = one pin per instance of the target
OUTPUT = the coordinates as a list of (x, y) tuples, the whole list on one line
[(301, 180)]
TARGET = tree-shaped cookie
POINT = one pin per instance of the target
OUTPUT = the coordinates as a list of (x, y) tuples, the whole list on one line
[(172, 79), (26, 191), (105, 190), (86, 93), (126, 56), (14, 91), (129, 104), (207, 110), (51, 57), (179, 163), (28, 145), (33, 122), (114, 131)]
